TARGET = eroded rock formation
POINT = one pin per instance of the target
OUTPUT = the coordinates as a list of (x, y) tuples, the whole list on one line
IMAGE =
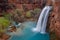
[(35, 3), (54, 19)]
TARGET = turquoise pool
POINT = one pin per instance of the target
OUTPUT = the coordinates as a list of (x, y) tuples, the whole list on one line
[(28, 34)]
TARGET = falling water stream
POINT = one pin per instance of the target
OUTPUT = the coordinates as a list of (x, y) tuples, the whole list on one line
[(44, 24), (42, 21), (34, 30)]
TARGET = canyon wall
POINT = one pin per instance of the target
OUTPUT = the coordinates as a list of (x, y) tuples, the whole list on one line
[(54, 18), (20, 4), (30, 4)]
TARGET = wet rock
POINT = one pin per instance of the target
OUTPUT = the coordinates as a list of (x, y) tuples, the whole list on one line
[(13, 29)]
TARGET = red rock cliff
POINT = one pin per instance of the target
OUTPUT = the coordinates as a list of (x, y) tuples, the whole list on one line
[(54, 19)]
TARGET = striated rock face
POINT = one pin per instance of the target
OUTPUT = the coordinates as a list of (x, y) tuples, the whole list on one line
[(54, 19), (33, 3), (57, 18)]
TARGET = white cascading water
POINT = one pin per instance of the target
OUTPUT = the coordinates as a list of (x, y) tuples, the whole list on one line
[(42, 21), (43, 28)]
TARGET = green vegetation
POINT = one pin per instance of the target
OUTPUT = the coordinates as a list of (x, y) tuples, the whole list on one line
[(4, 23), (7, 16), (37, 10), (29, 14), (18, 11)]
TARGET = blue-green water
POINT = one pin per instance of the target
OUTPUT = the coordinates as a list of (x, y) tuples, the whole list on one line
[(28, 34)]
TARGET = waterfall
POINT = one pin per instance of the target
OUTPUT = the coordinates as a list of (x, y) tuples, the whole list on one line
[(43, 28), (42, 21)]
